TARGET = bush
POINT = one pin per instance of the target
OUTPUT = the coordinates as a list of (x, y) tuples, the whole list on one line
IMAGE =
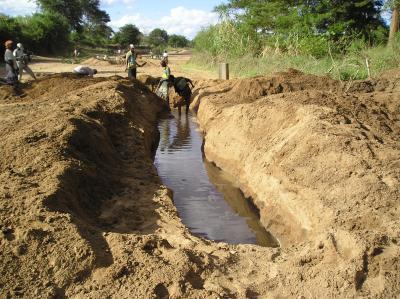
[(45, 33), (41, 33), (226, 40), (9, 29)]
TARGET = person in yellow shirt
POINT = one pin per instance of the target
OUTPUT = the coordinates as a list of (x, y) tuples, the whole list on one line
[(162, 90)]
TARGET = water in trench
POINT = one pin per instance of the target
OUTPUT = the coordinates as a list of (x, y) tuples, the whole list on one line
[(207, 201)]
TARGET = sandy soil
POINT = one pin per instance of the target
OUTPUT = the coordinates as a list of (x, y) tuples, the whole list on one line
[(83, 213), (321, 161), (43, 66)]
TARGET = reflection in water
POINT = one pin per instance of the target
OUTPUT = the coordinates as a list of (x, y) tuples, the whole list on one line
[(242, 206), (206, 200)]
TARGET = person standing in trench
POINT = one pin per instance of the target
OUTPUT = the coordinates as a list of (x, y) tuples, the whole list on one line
[(182, 88), (162, 90)]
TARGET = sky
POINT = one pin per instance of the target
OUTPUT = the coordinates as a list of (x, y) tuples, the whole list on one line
[(175, 16)]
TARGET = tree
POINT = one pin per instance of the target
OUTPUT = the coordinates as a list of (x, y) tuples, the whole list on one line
[(9, 28), (178, 41), (394, 5), (45, 33), (335, 18), (128, 34), (344, 17), (77, 12), (158, 37), (263, 16)]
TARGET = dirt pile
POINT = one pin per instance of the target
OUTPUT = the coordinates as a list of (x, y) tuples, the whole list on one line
[(82, 210), (321, 161), (83, 213), (149, 81), (96, 62)]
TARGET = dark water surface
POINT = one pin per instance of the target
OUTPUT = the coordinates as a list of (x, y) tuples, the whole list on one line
[(207, 201)]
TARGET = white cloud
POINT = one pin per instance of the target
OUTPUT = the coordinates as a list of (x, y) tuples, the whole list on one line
[(180, 21), (18, 7), (113, 2)]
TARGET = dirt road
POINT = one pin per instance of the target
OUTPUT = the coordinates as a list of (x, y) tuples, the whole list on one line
[(45, 66), (83, 213)]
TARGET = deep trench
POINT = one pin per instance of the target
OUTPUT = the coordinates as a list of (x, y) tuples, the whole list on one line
[(207, 200)]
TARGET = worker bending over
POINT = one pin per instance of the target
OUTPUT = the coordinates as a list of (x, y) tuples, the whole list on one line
[(85, 71), (182, 88)]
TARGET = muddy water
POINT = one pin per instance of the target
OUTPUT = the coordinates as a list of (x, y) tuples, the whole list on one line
[(207, 201)]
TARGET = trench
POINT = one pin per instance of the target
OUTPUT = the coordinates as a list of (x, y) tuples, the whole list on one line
[(207, 200)]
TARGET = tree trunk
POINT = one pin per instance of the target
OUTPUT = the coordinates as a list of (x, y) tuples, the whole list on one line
[(394, 25)]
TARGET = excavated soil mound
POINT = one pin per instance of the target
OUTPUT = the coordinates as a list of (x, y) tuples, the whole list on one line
[(149, 81), (83, 213), (96, 62), (321, 161), (82, 210)]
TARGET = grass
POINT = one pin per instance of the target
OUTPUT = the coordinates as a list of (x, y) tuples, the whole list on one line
[(347, 67)]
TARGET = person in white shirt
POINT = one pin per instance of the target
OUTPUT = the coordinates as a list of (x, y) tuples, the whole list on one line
[(165, 56), (11, 64), (85, 71), (22, 62)]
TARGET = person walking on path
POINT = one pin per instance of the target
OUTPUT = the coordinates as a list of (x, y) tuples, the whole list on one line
[(22, 62), (162, 90), (182, 88), (131, 62), (11, 64)]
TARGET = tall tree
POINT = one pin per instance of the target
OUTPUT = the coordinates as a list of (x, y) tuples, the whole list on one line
[(77, 12), (262, 16), (158, 37), (394, 24), (344, 17), (128, 34), (336, 17), (178, 41)]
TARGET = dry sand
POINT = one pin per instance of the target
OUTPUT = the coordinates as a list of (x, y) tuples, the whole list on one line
[(83, 213), (321, 161)]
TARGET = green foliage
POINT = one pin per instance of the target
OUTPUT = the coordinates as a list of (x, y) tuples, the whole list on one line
[(295, 32), (157, 38), (348, 66), (392, 4), (77, 12), (41, 33), (128, 34), (204, 41), (45, 32), (9, 28), (335, 18), (178, 41), (225, 39)]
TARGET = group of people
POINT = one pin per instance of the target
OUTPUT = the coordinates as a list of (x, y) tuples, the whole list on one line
[(180, 84), (16, 63)]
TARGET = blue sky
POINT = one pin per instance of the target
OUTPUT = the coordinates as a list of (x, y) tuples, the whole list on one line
[(176, 16)]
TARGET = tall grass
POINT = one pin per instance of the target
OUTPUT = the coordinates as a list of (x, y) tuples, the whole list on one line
[(343, 60)]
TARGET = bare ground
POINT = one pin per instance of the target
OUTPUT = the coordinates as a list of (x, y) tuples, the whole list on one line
[(83, 213)]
